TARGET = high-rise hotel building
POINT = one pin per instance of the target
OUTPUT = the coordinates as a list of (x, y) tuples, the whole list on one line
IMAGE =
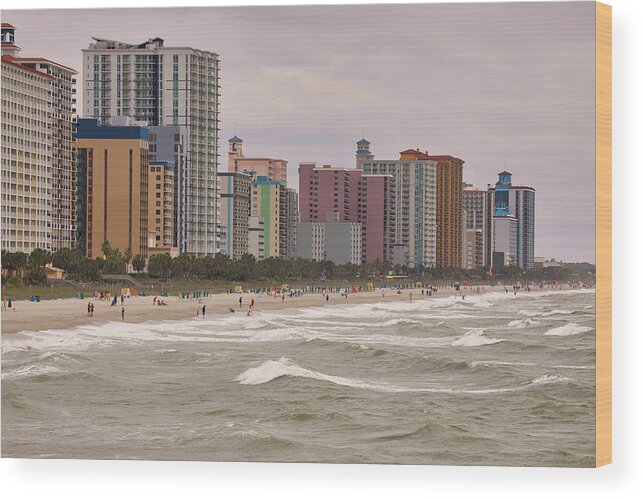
[(38, 158), (414, 206), (477, 248), (234, 189), (517, 202), (448, 200), (272, 168), (165, 86), (113, 171), (522, 200), (347, 196)]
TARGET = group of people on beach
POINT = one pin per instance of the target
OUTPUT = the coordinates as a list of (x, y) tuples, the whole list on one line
[(459, 293), (250, 307), (7, 304), (91, 307)]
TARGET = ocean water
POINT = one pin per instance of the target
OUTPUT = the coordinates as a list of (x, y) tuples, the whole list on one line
[(496, 379)]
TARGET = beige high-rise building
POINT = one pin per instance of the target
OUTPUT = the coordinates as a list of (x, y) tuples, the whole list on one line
[(271, 168), (477, 222), (63, 162), (38, 160), (113, 172), (160, 203)]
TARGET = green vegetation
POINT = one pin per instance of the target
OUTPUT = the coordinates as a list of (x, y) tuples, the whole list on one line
[(24, 274)]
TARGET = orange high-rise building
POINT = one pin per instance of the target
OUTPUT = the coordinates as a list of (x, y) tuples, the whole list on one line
[(113, 169), (448, 205)]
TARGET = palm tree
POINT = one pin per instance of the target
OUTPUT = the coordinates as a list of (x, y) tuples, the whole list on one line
[(106, 248), (128, 255), (138, 262)]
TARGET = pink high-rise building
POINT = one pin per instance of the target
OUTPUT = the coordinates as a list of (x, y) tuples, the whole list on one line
[(274, 169), (329, 194), (376, 205)]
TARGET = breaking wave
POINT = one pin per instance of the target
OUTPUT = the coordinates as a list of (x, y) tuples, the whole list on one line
[(523, 323), (570, 329), (271, 370)]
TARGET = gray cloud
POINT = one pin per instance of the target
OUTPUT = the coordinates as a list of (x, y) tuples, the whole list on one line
[(503, 86)]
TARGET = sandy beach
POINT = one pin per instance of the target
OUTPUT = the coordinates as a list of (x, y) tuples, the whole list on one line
[(70, 312)]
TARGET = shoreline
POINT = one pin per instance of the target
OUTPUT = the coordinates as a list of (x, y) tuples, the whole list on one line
[(72, 312)]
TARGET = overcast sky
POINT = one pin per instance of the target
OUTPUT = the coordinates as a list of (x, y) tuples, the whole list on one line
[(502, 86)]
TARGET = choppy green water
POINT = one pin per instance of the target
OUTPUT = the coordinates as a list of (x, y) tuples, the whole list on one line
[(494, 380)]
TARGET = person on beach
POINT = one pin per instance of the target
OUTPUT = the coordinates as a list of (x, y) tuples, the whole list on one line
[(203, 311), (252, 303), (411, 296), (122, 313), (249, 313), (198, 312), (283, 298), (327, 297), (240, 301), (89, 309)]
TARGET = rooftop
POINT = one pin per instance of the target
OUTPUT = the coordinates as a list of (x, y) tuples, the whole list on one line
[(12, 61), (44, 60)]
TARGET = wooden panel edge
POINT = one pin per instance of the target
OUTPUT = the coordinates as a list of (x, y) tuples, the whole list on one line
[(603, 234)]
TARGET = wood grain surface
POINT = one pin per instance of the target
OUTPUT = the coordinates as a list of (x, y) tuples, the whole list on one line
[(603, 234)]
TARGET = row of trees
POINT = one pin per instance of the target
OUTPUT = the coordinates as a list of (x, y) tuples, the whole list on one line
[(30, 268)]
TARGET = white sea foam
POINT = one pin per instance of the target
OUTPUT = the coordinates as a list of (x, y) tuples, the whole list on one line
[(570, 329), (114, 334), (556, 312), (548, 379), (544, 313), (488, 363), (328, 323), (523, 323), (474, 338), (271, 370), (31, 371)]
